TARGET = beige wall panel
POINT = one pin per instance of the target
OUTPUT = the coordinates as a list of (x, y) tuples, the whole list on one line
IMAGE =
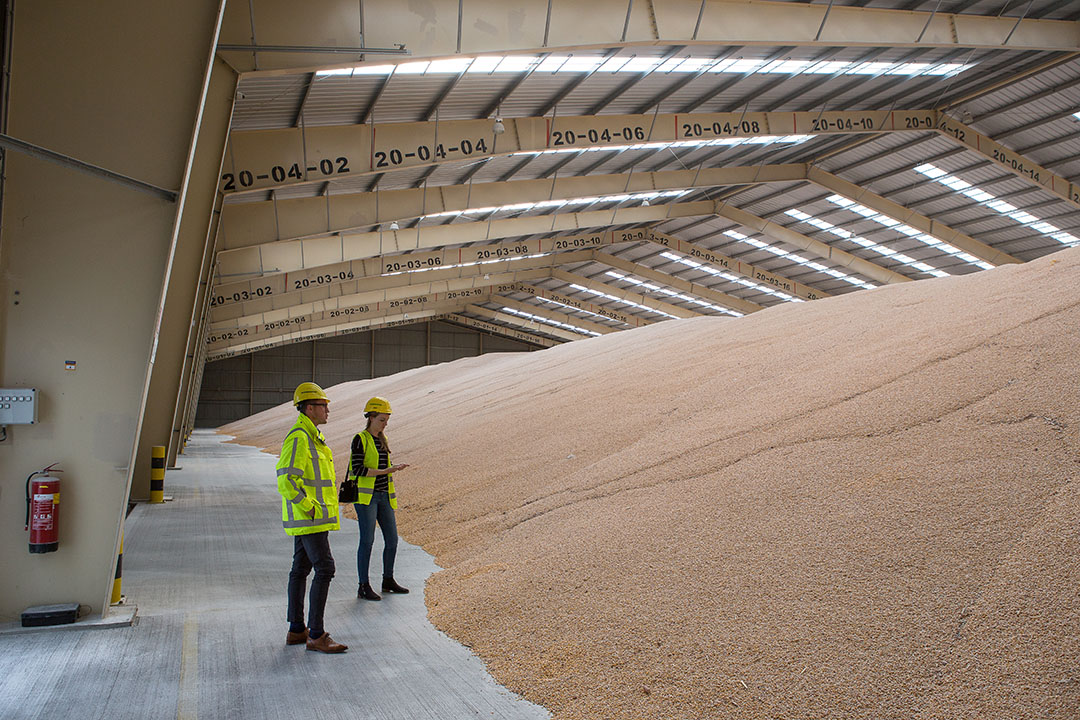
[(86, 257), (301, 217), (245, 224)]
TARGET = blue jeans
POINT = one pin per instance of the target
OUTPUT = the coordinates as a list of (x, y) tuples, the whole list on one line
[(378, 509), (312, 550)]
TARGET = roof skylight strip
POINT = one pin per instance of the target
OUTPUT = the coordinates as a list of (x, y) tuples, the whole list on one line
[(548, 321), (631, 303), (779, 252), (489, 64), (894, 224), (868, 244), (729, 277), (732, 142), (577, 309), (1000, 206), (673, 293), (560, 202)]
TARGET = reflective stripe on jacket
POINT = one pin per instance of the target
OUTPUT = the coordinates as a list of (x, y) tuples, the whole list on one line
[(366, 483), (305, 478)]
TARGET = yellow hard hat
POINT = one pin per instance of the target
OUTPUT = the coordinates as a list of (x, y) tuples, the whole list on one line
[(308, 391), (377, 405)]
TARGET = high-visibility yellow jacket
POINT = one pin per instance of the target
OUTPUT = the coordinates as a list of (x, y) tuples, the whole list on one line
[(366, 483), (305, 478)]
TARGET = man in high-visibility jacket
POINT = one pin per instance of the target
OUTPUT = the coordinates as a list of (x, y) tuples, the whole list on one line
[(309, 511)]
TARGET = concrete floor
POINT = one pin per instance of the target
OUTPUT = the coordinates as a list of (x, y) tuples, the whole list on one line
[(207, 572)]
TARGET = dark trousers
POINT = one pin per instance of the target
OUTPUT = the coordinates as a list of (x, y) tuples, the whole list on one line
[(378, 509), (310, 551)]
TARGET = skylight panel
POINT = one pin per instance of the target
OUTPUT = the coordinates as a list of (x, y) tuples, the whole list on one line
[(670, 64), (693, 64), (930, 171), (640, 64), (909, 69), (517, 63), (343, 71), (581, 64), (452, 65), (741, 66), (869, 68), (788, 66), (552, 63), (485, 64), (725, 65), (828, 68), (413, 68), (614, 64)]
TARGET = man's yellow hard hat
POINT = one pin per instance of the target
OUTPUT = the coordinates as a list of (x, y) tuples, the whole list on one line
[(377, 405), (308, 391)]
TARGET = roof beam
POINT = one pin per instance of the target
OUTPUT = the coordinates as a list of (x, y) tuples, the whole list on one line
[(251, 223), (490, 26), (241, 344), (281, 291), (374, 295), (261, 159), (292, 255), (402, 308)]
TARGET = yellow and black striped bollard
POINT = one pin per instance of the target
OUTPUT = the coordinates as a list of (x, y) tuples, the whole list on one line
[(116, 596), (157, 474)]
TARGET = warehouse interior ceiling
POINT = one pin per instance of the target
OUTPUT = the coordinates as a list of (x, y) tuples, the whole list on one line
[(566, 192)]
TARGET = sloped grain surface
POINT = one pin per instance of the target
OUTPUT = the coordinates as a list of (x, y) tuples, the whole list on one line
[(860, 507)]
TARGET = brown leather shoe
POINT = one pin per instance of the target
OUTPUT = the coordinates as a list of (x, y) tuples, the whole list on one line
[(299, 638), (390, 585), (366, 593), (325, 644)]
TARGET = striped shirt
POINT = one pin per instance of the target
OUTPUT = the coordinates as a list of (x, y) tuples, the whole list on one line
[(382, 482)]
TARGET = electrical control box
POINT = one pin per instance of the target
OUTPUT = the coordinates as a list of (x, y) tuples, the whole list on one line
[(18, 406)]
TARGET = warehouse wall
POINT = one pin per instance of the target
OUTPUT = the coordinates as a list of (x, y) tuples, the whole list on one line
[(240, 386), (115, 83)]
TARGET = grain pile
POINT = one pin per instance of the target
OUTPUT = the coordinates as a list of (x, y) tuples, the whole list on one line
[(860, 507)]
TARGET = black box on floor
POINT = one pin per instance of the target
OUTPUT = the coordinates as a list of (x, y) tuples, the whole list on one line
[(42, 615)]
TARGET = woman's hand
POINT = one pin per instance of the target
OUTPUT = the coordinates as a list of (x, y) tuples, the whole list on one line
[(395, 468)]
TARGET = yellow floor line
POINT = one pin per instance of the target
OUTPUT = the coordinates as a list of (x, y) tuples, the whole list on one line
[(187, 705)]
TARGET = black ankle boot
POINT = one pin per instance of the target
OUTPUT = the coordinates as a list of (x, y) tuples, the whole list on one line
[(367, 593), (390, 585)]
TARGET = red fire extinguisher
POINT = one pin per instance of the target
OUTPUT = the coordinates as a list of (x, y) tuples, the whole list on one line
[(42, 511)]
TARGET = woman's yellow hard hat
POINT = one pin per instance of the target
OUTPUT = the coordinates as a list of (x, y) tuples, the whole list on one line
[(377, 405)]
